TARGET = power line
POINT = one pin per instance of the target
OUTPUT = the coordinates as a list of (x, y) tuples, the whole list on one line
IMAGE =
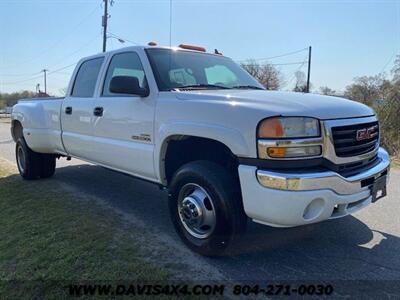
[(62, 73), (276, 56), (121, 38), (58, 41), (40, 76), (79, 49), (54, 71), (388, 62), (294, 73), (61, 59), (170, 23), (45, 51), (285, 64), (19, 75), (301, 63), (20, 81), (63, 68)]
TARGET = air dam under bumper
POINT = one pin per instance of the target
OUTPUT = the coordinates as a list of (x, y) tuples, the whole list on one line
[(292, 199)]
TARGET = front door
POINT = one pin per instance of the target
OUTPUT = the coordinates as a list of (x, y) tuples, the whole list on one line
[(77, 110), (123, 127)]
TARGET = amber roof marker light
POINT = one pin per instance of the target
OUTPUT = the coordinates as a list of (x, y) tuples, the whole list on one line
[(192, 47)]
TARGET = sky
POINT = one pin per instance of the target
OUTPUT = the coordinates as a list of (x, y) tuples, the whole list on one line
[(348, 38)]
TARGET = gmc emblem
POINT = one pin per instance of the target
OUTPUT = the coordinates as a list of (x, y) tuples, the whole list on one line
[(365, 134)]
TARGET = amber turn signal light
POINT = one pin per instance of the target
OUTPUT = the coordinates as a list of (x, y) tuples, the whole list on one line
[(276, 152)]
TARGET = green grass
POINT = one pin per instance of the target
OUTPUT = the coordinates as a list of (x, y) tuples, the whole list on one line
[(51, 237), (395, 163)]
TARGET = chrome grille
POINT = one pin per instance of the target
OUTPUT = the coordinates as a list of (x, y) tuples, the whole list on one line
[(350, 140)]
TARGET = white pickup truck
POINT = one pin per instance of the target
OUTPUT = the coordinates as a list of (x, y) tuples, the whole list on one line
[(199, 125)]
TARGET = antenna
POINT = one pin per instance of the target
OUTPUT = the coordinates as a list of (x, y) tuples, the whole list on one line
[(170, 23)]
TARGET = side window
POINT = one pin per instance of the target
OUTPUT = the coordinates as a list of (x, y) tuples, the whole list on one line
[(124, 64), (220, 74), (85, 80)]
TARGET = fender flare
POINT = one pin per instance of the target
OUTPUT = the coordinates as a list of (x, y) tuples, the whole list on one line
[(231, 138)]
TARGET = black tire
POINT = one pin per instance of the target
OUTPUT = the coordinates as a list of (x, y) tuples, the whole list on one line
[(33, 165), (48, 165), (224, 190)]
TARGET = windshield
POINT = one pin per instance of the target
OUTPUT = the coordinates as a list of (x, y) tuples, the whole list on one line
[(193, 70)]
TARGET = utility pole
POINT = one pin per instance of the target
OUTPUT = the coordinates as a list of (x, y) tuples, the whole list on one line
[(45, 82), (309, 68), (104, 22)]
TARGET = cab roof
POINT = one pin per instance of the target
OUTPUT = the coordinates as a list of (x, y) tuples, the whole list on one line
[(144, 47)]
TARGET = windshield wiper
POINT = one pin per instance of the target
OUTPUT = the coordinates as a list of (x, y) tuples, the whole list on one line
[(250, 87), (201, 86)]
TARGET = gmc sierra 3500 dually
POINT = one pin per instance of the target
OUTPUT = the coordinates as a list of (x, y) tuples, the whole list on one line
[(224, 146)]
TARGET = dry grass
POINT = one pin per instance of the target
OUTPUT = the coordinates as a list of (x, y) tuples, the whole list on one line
[(50, 238)]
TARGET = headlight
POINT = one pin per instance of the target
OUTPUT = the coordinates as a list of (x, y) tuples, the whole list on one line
[(289, 137), (288, 127)]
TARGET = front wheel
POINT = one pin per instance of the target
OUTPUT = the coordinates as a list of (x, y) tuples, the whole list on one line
[(33, 165), (206, 207)]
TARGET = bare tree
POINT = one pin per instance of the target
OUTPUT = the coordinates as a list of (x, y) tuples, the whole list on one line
[(396, 68), (301, 84), (389, 111), (367, 89), (324, 90), (384, 96), (12, 98), (266, 74)]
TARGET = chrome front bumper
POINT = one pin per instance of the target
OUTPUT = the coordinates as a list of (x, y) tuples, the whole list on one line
[(306, 181)]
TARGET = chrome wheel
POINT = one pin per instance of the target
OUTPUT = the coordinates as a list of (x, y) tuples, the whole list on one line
[(21, 159), (196, 211)]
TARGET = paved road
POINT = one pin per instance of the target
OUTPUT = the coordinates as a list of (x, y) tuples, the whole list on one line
[(7, 146), (359, 247)]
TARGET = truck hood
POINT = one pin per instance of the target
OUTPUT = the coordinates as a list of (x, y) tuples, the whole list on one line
[(283, 103)]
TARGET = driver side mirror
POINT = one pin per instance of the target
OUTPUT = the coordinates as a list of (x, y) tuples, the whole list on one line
[(127, 85)]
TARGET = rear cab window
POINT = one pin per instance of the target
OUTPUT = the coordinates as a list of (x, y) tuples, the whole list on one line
[(86, 78)]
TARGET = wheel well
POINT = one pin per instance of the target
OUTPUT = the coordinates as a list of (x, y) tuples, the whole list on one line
[(183, 149), (17, 130)]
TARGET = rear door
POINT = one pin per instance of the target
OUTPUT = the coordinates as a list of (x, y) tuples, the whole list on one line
[(123, 131), (77, 110)]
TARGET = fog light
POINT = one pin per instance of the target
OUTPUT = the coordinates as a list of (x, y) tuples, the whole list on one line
[(291, 152), (314, 209)]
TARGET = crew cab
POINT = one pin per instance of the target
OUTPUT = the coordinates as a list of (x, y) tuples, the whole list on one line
[(199, 125)]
